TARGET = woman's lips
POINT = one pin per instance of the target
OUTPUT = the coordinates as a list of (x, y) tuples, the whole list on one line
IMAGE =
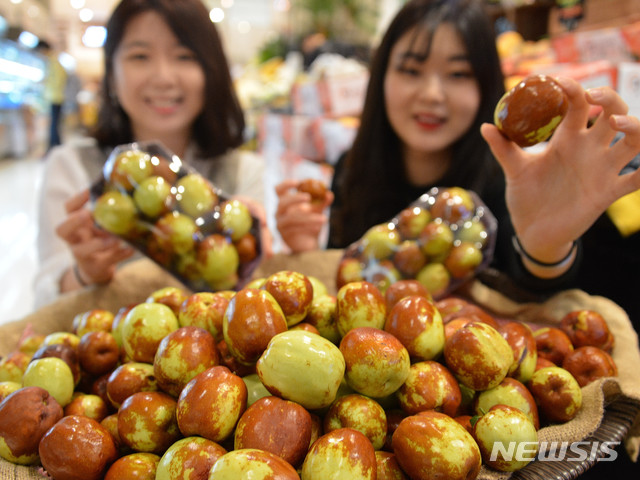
[(429, 122), (164, 106)]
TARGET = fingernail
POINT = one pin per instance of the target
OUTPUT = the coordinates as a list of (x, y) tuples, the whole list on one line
[(595, 93), (620, 121), (563, 81)]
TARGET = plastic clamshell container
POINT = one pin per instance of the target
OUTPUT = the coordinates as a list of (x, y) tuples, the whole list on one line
[(149, 198), (442, 239)]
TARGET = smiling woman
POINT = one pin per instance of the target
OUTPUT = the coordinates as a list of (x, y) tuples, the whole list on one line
[(166, 79), (428, 121), (158, 81)]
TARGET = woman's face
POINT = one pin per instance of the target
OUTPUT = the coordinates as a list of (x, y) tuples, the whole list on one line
[(158, 81), (430, 103)]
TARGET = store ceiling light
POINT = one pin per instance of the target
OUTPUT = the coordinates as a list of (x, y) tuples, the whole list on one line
[(19, 70), (77, 4), (94, 36), (216, 15), (28, 39), (67, 61), (86, 14)]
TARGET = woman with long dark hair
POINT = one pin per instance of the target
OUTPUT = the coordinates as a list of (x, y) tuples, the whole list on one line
[(427, 121), (166, 79), (376, 182)]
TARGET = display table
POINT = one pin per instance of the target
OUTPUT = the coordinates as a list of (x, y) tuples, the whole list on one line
[(611, 407)]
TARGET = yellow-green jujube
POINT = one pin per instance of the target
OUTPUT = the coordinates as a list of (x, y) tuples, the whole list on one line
[(303, 367)]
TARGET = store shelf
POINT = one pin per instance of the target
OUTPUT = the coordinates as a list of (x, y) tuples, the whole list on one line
[(531, 20)]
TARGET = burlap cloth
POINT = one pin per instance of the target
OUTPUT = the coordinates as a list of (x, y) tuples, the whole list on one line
[(611, 407)]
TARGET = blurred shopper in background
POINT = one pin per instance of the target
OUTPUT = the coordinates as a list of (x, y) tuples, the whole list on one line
[(166, 79), (55, 88)]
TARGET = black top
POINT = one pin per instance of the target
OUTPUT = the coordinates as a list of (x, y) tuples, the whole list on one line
[(607, 264)]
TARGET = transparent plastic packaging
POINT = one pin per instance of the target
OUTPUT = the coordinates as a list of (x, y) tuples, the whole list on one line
[(443, 239), (176, 217)]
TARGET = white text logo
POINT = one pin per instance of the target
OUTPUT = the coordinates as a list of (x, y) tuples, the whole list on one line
[(554, 451)]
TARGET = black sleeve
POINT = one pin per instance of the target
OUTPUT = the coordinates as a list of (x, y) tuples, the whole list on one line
[(607, 263), (507, 273), (338, 171)]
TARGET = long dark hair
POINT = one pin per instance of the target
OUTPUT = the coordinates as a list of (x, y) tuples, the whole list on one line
[(220, 125), (373, 187)]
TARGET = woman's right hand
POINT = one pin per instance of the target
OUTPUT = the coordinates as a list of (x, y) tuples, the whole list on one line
[(95, 251), (299, 221), (555, 194)]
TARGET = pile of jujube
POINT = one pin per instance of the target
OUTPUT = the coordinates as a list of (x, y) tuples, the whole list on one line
[(443, 239), (283, 375), (176, 217)]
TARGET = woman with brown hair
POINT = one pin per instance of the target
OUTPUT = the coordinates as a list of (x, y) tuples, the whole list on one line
[(166, 79)]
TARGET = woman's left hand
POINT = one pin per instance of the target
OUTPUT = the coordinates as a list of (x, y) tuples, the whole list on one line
[(96, 253), (554, 194), (258, 211)]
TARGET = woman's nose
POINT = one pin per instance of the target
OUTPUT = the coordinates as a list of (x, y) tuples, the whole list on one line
[(164, 69), (432, 88)]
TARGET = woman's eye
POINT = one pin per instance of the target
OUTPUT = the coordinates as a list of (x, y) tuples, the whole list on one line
[(187, 56), (412, 71), (462, 74), (138, 56)]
